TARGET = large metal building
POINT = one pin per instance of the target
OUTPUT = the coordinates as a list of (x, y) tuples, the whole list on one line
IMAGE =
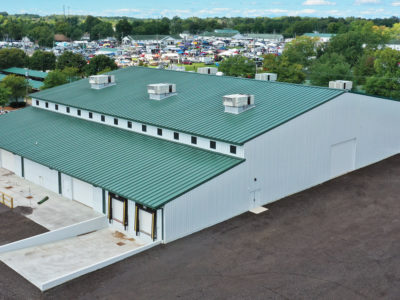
[(164, 154)]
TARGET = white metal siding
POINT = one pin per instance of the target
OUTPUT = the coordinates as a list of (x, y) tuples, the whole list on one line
[(41, 175), (8, 160), (289, 159), (215, 201), (343, 157), (82, 192)]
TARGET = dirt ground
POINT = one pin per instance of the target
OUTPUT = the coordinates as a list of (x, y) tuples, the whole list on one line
[(14, 226), (339, 240)]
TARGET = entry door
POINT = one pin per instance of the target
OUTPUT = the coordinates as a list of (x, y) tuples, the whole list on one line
[(343, 157), (254, 199)]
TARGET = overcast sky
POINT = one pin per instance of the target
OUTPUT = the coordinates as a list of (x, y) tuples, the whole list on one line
[(205, 8)]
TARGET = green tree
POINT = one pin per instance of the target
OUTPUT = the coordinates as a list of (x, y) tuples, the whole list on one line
[(349, 45), (300, 50), (42, 35), (387, 62), (42, 60), (238, 66), (287, 71), (99, 63), (12, 57), (364, 68), (5, 94), (290, 72), (17, 85), (69, 59), (54, 78), (329, 67), (71, 73), (123, 28), (384, 86), (101, 30)]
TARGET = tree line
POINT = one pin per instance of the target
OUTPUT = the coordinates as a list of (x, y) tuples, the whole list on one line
[(66, 68), (42, 29), (358, 55)]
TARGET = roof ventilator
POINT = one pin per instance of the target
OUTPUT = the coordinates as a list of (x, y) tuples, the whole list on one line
[(267, 76), (237, 103), (341, 84), (159, 91), (98, 82), (207, 70)]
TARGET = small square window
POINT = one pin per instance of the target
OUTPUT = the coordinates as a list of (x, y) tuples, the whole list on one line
[(194, 140), (129, 124), (233, 149), (103, 118), (37, 102), (90, 115), (78, 112), (159, 131), (213, 144), (56, 106), (47, 104), (115, 121), (144, 128), (67, 109), (176, 135)]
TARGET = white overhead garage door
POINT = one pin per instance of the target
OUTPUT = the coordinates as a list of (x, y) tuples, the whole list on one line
[(82, 192), (343, 157), (145, 222), (41, 175), (8, 160)]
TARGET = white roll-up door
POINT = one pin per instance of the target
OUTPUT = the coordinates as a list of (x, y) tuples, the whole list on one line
[(82, 192), (145, 222), (8, 160), (41, 175)]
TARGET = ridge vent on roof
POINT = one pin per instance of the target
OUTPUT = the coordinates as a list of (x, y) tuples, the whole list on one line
[(159, 91), (237, 103)]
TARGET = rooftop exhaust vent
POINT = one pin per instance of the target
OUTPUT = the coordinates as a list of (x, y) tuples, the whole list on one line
[(237, 103), (341, 84), (207, 70), (98, 82), (267, 76), (161, 91)]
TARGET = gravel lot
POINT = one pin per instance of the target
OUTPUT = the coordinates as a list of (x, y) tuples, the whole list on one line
[(339, 240)]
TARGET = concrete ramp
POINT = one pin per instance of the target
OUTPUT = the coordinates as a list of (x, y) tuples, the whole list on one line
[(51, 264)]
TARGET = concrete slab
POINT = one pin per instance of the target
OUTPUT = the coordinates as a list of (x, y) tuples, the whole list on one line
[(258, 210), (48, 262), (57, 212)]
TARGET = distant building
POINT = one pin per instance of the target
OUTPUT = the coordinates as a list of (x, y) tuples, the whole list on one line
[(323, 37), (61, 38), (394, 44)]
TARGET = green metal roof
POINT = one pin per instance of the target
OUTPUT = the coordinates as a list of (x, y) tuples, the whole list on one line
[(197, 108), (320, 35), (33, 83), (22, 71), (266, 36), (148, 170), (153, 37)]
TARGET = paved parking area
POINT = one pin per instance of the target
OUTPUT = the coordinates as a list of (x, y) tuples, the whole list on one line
[(57, 212), (339, 240)]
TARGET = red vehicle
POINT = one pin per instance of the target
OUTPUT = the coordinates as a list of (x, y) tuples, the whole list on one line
[(187, 62)]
